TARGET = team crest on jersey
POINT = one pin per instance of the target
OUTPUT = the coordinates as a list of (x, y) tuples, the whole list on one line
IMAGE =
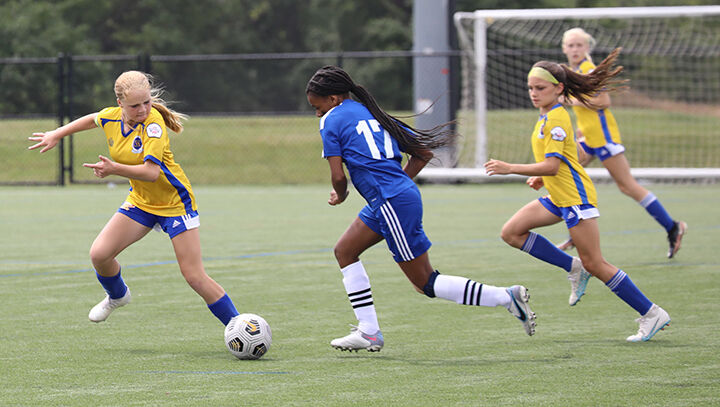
[(137, 146), (154, 130), (558, 133), (111, 142)]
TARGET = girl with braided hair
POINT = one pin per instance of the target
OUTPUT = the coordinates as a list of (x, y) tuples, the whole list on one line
[(370, 143), (572, 196)]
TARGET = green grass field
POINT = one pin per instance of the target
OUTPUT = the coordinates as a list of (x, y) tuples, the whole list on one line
[(287, 149), (271, 249)]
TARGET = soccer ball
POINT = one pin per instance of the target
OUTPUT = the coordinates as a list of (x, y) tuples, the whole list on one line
[(248, 336)]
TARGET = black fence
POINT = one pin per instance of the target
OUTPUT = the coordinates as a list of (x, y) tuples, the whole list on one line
[(250, 121)]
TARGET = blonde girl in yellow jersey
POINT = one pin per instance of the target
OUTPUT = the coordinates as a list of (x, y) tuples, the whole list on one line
[(598, 135), (160, 195), (572, 194)]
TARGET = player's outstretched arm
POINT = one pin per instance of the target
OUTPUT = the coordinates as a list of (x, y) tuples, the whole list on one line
[(49, 139)]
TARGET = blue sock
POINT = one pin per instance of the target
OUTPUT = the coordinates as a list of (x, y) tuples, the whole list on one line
[(655, 208), (541, 248), (224, 309), (114, 286), (624, 288)]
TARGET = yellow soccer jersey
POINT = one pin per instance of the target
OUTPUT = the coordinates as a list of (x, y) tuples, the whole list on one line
[(553, 137), (597, 126), (171, 193)]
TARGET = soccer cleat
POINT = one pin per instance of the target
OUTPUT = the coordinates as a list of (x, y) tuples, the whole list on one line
[(357, 340), (566, 245), (578, 278), (656, 319), (519, 307), (104, 308), (675, 236)]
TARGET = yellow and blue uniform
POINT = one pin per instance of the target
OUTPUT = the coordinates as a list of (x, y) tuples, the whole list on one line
[(553, 137), (170, 195), (598, 127)]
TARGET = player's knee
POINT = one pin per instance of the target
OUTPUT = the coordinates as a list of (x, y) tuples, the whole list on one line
[(344, 256), (509, 236), (99, 255), (592, 263), (429, 288)]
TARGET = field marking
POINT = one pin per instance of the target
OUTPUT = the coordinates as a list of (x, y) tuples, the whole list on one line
[(210, 372), (283, 253)]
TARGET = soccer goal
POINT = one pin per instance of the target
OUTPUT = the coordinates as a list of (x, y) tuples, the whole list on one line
[(669, 117)]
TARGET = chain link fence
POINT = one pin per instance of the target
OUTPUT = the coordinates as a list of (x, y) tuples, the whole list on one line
[(250, 122)]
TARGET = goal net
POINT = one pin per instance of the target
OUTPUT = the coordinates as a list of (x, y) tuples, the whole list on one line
[(669, 117)]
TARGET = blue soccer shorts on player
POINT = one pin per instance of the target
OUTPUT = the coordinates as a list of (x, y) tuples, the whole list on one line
[(571, 214), (399, 221), (603, 152), (172, 225)]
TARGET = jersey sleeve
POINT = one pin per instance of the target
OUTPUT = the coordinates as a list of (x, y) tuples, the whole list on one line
[(586, 67), (102, 114), (330, 138), (555, 136), (156, 140)]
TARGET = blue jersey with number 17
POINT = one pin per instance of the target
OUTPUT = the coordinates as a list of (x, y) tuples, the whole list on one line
[(372, 157)]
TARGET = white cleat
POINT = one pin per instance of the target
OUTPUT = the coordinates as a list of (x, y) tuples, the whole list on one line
[(578, 278), (519, 307), (104, 308), (655, 320), (357, 340)]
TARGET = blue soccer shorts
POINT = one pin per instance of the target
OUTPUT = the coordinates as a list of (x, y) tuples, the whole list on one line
[(399, 221), (604, 152), (172, 225), (571, 214)]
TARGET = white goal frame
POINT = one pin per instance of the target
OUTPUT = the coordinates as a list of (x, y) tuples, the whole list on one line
[(480, 21)]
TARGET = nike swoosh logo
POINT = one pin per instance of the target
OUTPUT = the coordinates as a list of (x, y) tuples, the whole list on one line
[(652, 330), (371, 338), (523, 317)]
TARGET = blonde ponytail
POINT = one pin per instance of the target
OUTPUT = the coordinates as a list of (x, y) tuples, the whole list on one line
[(131, 80)]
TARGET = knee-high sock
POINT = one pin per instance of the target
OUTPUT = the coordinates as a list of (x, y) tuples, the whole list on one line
[(653, 206), (224, 309), (624, 288), (114, 286), (357, 287), (540, 248), (468, 292)]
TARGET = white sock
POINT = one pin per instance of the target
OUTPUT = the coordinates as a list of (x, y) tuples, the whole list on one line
[(468, 292), (357, 286)]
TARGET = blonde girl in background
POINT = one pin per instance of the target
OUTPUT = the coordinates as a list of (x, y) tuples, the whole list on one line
[(598, 135)]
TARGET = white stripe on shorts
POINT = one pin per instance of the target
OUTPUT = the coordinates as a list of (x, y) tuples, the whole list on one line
[(396, 231), (586, 213)]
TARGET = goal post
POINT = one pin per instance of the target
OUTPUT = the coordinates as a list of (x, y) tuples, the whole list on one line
[(669, 118)]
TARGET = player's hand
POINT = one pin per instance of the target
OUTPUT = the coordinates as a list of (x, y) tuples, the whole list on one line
[(335, 199), (102, 168), (535, 182), (47, 140), (497, 167)]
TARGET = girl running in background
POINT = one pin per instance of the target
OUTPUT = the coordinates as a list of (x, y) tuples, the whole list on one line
[(370, 142), (572, 195), (598, 135), (160, 194)]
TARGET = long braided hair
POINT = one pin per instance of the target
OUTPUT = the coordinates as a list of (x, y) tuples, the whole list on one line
[(332, 80), (583, 86)]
